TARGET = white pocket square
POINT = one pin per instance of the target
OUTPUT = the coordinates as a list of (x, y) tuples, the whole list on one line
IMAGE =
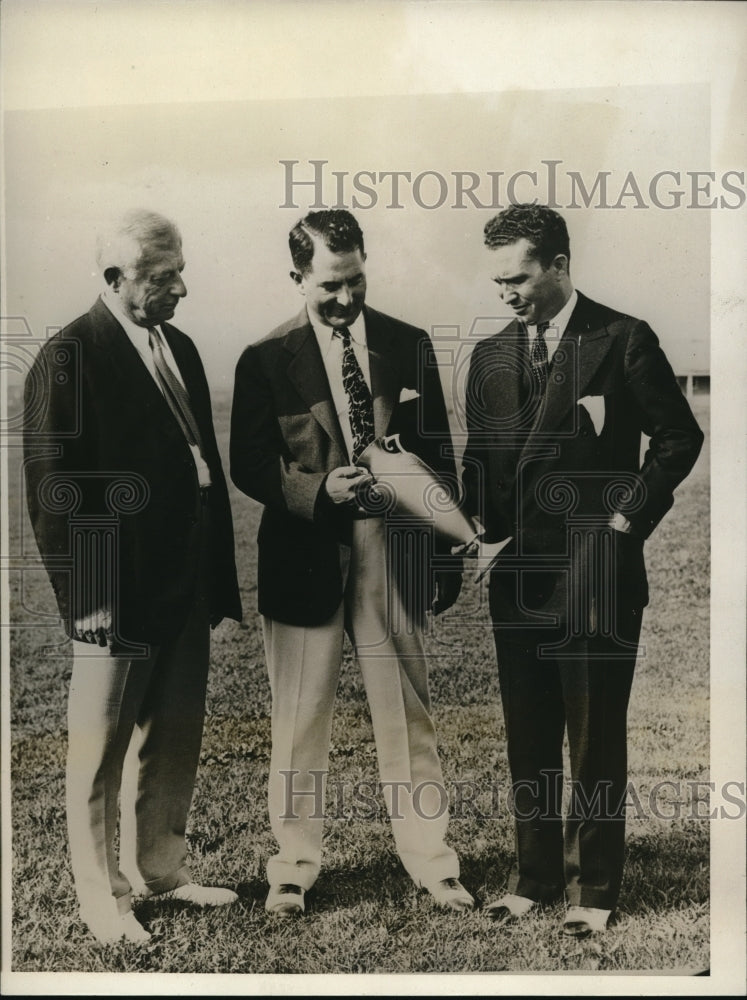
[(594, 406), (406, 395)]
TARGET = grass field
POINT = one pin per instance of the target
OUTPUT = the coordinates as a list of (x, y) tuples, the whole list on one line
[(364, 914)]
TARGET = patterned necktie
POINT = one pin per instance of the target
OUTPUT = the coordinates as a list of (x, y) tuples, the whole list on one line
[(359, 396), (538, 357), (174, 392)]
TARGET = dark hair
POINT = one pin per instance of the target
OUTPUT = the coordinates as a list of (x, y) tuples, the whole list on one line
[(544, 228), (337, 229)]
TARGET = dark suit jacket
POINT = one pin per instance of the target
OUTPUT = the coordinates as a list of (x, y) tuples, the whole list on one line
[(95, 418), (544, 476), (285, 439)]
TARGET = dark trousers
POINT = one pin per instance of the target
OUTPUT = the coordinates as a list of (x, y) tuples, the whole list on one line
[(582, 686)]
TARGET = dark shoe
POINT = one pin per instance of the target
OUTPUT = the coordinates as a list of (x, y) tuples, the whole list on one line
[(583, 921), (286, 900)]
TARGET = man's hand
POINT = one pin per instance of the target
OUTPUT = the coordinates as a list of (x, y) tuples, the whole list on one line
[(342, 484), (448, 588), (470, 548), (484, 553), (96, 627), (619, 522)]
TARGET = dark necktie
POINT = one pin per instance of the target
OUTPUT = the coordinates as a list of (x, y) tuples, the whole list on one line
[(359, 396), (538, 357), (174, 392)]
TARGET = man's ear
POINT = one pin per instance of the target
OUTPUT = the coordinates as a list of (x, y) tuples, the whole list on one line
[(113, 277), (561, 263), (297, 279)]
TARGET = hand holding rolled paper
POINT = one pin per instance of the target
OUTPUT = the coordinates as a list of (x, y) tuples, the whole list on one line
[(471, 548), (344, 483), (405, 485), (486, 555)]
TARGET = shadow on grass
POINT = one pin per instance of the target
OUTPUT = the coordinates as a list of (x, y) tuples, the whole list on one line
[(347, 888), (486, 876), (666, 871), (251, 894), (388, 883)]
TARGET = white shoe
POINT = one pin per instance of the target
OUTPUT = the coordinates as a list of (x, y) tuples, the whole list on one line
[(198, 895), (133, 930), (581, 921), (509, 908), (451, 893), (123, 926)]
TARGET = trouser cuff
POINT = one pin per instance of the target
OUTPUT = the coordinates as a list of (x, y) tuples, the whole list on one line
[(540, 892), (303, 874), (599, 899), (166, 883), (124, 903)]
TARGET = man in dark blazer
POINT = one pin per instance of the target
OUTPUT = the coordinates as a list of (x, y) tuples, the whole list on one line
[(556, 406), (308, 398), (130, 510)]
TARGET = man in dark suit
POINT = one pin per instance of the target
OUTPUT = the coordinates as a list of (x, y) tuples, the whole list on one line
[(557, 404), (130, 510), (308, 399)]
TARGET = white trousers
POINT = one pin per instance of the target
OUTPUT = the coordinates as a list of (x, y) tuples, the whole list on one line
[(304, 669), (134, 733)]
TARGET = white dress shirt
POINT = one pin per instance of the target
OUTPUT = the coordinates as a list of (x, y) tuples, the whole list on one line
[(557, 327), (331, 349), (139, 337)]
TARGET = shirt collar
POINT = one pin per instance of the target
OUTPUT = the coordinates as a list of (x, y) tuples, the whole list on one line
[(133, 331), (325, 334), (560, 321)]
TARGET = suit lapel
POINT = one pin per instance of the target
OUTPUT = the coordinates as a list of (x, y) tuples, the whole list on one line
[(384, 379), (505, 386), (125, 364), (307, 374), (126, 369), (580, 352)]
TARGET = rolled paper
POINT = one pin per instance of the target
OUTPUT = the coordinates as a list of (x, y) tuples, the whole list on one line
[(404, 484)]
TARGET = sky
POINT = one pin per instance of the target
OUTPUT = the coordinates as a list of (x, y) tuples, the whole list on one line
[(217, 167)]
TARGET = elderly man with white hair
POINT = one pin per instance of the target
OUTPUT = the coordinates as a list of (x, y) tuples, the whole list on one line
[(130, 509)]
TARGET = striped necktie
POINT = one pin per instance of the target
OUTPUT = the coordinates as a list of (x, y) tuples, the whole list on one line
[(359, 396), (538, 357), (174, 392)]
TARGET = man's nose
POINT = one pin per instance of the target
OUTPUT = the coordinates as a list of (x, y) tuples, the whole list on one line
[(344, 297), (178, 287)]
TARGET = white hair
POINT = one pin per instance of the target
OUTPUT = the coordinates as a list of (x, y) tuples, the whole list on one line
[(134, 238)]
